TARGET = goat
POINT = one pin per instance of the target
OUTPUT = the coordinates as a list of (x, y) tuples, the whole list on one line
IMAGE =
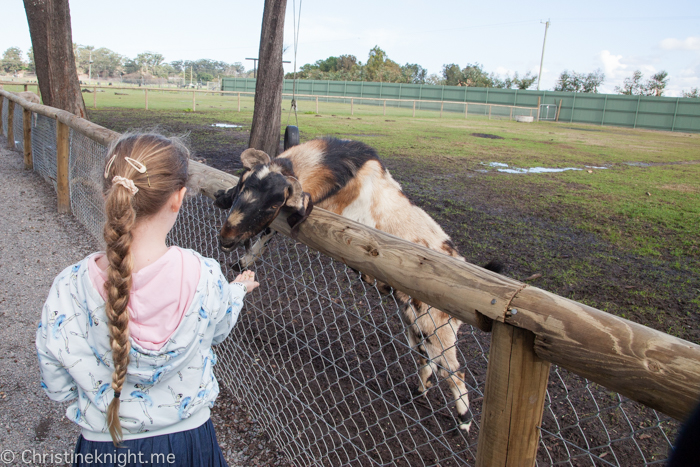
[(28, 96), (347, 178)]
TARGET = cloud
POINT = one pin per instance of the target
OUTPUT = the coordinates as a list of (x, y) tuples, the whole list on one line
[(612, 64), (689, 43)]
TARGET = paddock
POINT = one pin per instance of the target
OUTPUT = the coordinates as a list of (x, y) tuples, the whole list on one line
[(321, 358)]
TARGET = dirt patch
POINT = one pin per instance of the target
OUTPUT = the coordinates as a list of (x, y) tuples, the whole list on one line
[(486, 135)]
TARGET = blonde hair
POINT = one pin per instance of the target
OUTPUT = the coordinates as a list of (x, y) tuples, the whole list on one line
[(166, 164)]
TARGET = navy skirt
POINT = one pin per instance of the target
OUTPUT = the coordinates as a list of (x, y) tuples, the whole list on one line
[(192, 448)]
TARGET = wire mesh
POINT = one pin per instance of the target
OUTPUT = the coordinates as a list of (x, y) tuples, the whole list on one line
[(87, 158), (44, 148), (18, 130), (321, 359)]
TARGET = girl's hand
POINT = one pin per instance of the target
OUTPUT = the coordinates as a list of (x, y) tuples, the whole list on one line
[(247, 278)]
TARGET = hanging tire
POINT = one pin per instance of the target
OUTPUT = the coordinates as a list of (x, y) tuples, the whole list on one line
[(291, 136)]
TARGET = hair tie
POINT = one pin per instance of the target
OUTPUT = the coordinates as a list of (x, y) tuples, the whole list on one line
[(126, 183), (117, 394)]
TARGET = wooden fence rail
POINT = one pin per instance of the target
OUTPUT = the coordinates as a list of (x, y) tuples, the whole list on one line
[(311, 97), (532, 327)]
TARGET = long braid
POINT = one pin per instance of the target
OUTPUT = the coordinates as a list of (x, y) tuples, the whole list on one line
[(132, 194), (118, 236)]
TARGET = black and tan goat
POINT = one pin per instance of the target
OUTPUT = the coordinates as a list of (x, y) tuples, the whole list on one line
[(347, 178)]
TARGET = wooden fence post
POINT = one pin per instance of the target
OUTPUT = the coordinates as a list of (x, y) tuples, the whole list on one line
[(516, 385), (539, 103), (62, 157), (146, 98), (194, 103), (442, 104), (10, 124), (352, 106), (384, 106), (239, 101), (2, 104), (316, 104), (94, 97), (489, 111), (414, 108), (27, 126), (466, 109), (26, 87)]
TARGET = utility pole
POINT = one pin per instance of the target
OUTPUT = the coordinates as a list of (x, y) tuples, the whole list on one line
[(90, 67), (539, 77), (255, 63)]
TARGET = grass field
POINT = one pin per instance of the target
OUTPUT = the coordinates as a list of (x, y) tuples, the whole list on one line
[(621, 234)]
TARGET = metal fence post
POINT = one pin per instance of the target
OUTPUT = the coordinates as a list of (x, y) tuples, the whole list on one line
[(10, 124), (605, 105), (675, 112), (27, 126), (62, 157), (514, 395)]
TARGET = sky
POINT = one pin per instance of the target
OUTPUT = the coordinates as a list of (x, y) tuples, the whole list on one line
[(618, 37)]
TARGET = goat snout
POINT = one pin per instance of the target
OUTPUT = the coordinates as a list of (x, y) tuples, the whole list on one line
[(227, 244)]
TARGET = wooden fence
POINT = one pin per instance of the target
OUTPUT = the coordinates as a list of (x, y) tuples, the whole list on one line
[(488, 110), (532, 328)]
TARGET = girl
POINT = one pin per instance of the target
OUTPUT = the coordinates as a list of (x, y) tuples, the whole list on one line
[(127, 334)]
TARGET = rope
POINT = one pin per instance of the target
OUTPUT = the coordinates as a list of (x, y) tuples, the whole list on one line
[(296, 22)]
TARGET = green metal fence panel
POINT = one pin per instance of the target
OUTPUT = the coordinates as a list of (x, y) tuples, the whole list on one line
[(657, 113)]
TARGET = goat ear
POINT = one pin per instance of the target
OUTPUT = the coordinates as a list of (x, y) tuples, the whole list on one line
[(300, 202), (224, 199), (252, 157)]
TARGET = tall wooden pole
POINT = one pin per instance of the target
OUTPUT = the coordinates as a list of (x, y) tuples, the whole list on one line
[(516, 385), (62, 157), (10, 124), (267, 112), (27, 126)]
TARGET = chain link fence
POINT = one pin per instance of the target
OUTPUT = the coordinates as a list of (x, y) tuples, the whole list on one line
[(321, 360)]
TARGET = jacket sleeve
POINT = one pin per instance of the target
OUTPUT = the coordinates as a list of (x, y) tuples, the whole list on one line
[(231, 296), (55, 379)]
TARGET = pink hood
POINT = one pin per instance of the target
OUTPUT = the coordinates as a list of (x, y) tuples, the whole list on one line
[(161, 293)]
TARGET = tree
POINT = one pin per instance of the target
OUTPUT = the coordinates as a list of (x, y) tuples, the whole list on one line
[(452, 75), (12, 60), (52, 42), (413, 73), (579, 82), (516, 81), (31, 66), (656, 85), (633, 85), (694, 92), (267, 113), (474, 75)]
